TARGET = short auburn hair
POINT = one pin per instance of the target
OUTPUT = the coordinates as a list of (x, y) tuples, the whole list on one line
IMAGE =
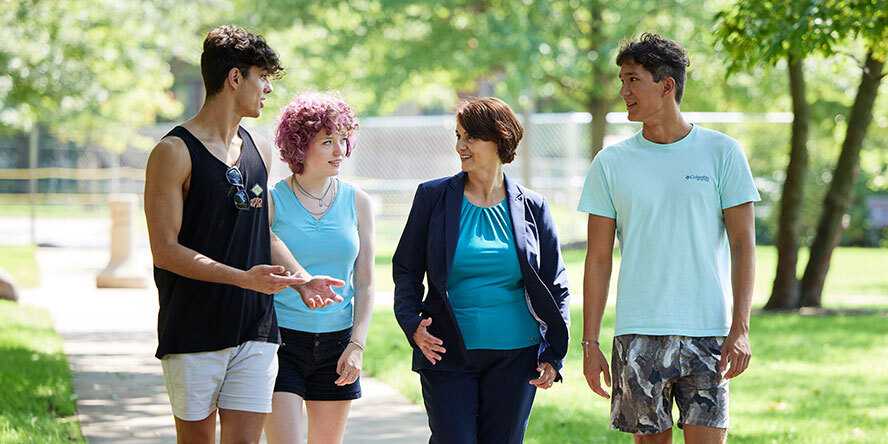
[(228, 47), (307, 115), (491, 119)]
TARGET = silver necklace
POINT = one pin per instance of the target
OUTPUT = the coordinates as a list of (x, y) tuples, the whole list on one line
[(320, 200)]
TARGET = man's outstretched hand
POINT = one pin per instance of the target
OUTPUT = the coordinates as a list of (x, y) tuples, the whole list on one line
[(318, 291), (268, 279)]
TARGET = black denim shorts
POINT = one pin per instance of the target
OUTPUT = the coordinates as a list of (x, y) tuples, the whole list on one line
[(307, 366)]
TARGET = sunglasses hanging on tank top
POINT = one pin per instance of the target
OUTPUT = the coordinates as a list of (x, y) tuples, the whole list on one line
[(237, 192)]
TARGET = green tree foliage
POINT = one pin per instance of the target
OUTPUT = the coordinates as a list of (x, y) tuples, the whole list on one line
[(559, 54), (89, 69), (756, 33), (768, 31)]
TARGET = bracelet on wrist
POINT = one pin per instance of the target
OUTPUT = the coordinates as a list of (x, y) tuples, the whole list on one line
[(588, 342), (357, 344)]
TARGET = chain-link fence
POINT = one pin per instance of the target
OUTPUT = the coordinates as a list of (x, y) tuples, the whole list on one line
[(392, 156)]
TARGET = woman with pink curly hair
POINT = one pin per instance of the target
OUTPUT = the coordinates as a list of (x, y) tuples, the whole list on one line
[(328, 226)]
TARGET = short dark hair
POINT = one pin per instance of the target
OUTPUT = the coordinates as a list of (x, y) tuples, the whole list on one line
[(660, 56), (229, 47), (491, 119)]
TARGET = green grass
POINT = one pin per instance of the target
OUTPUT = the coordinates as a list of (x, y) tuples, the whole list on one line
[(857, 276), (20, 263), (811, 380), (57, 211), (37, 400)]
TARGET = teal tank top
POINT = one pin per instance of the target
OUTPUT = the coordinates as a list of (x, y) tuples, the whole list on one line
[(326, 246), (485, 286)]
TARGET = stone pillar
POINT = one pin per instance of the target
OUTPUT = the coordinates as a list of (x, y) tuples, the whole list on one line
[(123, 270)]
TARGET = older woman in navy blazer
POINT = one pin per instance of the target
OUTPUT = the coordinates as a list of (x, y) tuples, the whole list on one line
[(492, 327)]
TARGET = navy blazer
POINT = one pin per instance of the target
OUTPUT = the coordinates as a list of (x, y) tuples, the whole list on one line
[(426, 250)]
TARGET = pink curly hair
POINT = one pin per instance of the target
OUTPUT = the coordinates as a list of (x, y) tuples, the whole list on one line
[(306, 116)]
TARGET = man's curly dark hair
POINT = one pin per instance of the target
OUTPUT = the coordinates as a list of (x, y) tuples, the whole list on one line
[(660, 56), (229, 47)]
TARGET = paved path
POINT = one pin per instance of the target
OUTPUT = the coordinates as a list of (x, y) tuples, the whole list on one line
[(110, 340)]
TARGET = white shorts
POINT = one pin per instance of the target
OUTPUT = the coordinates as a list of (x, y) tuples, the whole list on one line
[(236, 378)]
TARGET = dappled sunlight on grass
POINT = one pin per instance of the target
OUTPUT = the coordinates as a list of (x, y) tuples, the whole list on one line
[(856, 276), (37, 400), (813, 379)]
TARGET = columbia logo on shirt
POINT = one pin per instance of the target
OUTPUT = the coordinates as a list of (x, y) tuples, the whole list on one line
[(697, 178)]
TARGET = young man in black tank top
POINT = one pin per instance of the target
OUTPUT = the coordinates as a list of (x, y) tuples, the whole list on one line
[(216, 262)]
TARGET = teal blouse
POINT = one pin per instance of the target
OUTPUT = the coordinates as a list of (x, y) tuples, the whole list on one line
[(485, 285)]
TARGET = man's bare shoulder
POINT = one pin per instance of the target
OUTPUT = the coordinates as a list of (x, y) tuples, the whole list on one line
[(169, 157), (170, 146)]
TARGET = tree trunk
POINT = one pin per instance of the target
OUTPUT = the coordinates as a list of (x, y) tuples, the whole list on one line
[(838, 198), (598, 107), (785, 293), (600, 79)]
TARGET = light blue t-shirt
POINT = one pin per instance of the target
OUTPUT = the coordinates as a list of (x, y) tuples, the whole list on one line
[(667, 201), (485, 286), (328, 246)]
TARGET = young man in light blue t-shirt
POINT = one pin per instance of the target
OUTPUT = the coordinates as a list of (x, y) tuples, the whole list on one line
[(680, 200)]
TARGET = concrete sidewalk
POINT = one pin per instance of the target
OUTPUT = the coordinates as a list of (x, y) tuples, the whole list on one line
[(110, 339)]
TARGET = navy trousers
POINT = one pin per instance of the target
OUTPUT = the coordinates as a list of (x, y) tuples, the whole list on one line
[(487, 402)]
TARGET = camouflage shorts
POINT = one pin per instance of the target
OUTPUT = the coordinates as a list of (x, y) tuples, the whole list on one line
[(650, 371)]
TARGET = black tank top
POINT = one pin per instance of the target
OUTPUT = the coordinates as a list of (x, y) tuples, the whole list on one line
[(198, 316)]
